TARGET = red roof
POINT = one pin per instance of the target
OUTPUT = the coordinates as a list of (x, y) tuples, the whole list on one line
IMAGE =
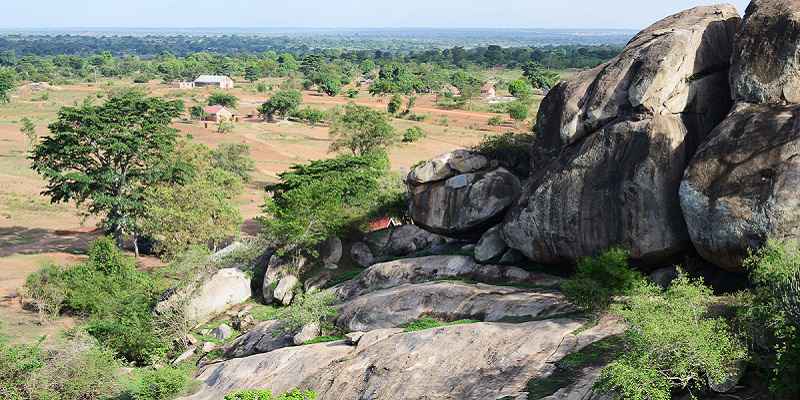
[(214, 109)]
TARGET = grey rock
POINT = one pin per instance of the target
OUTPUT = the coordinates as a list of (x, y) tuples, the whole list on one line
[(424, 269), (491, 247), (743, 185), (209, 295), (222, 332), (663, 277), (446, 166), (731, 380), (372, 337), (511, 257), (265, 337), (464, 204), (361, 254), (185, 356), (612, 145), (401, 241), (765, 66), (208, 347), (449, 301), (331, 251), (318, 281), (307, 333), (284, 292), (354, 337)]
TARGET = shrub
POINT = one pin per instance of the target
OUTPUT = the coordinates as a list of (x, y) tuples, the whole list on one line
[(160, 384), (261, 394), (413, 134), (671, 343), (599, 279), (361, 130), (225, 127), (395, 103), (777, 267), (518, 110), (312, 116), (46, 291), (308, 308), (352, 93), (234, 158), (512, 150), (495, 121), (261, 87)]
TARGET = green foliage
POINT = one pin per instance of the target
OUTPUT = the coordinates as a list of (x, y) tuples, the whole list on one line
[(197, 112), (160, 384), (361, 130), (599, 279), (518, 110), (308, 308), (539, 77), (469, 85), (262, 87), (395, 103), (430, 323), (329, 84), (495, 121), (201, 210), (261, 394), (235, 159), (29, 130), (672, 342), (352, 93), (8, 82), (282, 103), (46, 291), (413, 134), (520, 89), (225, 127), (310, 115), (324, 339), (396, 79), (772, 317), (223, 99), (103, 157)]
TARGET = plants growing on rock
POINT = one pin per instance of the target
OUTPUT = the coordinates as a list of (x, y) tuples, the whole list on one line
[(599, 279), (262, 394)]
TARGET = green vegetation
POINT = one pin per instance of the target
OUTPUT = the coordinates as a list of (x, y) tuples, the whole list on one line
[(159, 384), (324, 339), (222, 99), (8, 82), (520, 89), (234, 158), (282, 103), (310, 115), (430, 323), (539, 77), (225, 127), (361, 130), (413, 134), (518, 110), (197, 112), (599, 279), (395, 104), (261, 394), (29, 130), (307, 309), (103, 157), (672, 342), (495, 121)]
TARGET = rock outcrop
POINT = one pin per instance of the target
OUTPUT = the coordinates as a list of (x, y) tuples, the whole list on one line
[(265, 337), (765, 57), (613, 144), (743, 186), (208, 296), (449, 301), (475, 361)]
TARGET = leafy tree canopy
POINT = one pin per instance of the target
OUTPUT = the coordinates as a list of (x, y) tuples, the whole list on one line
[(361, 130)]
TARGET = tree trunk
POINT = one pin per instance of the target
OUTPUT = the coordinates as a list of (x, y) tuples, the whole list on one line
[(136, 245)]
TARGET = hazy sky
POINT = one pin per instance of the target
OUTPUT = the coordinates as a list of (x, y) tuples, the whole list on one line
[(341, 13)]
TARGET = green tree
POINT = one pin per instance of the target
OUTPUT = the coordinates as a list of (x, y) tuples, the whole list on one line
[(234, 158), (223, 99), (197, 112), (329, 84), (252, 73), (467, 84), (367, 66), (361, 130), (395, 104), (282, 103), (518, 110), (539, 77), (103, 157), (29, 130), (8, 82), (520, 89)]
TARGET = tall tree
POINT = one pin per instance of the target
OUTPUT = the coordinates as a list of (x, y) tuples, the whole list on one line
[(539, 77), (103, 157), (361, 130), (8, 81), (282, 103)]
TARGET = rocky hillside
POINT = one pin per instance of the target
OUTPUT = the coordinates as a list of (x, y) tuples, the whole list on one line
[(685, 146)]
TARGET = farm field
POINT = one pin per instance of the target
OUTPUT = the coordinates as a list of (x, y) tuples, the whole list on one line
[(34, 232)]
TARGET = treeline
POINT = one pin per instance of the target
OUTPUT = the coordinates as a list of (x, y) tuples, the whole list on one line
[(48, 60)]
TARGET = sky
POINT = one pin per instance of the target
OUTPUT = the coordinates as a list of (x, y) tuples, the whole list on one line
[(589, 14)]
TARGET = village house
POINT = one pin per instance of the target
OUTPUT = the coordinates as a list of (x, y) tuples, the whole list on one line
[(217, 114), (488, 90), (183, 85), (220, 81)]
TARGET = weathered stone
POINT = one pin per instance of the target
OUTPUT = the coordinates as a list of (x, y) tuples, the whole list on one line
[(361, 254), (449, 301), (331, 251), (207, 297), (613, 145), (491, 246), (185, 356), (208, 347), (401, 241), (663, 277), (464, 204), (424, 269), (354, 337), (307, 333), (766, 67), (265, 337), (222, 332), (284, 292), (318, 281), (446, 166), (743, 185), (511, 257)]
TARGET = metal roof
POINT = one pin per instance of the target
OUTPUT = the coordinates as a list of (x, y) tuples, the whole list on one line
[(211, 79)]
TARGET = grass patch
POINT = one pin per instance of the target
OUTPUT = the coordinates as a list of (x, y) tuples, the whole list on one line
[(324, 339), (430, 323), (264, 313)]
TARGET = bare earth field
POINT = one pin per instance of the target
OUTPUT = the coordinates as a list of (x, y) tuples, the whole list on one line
[(34, 232)]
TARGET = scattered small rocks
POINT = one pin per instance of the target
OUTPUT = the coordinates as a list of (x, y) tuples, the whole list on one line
[(308, 333)]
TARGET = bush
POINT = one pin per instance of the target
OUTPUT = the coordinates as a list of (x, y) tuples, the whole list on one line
[(599, 279), (260, 394), (352, 93), (518, 110), (430, 323), (772, 318), (312, 116), (234, 158), (160, 384), (223, 99), (413, 134), (45, 290), (671, 343), (395, 103), (308, 308), (496, 121)]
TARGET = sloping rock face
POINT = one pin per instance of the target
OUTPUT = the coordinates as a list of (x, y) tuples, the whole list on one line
[(209, 296), (423, 269), (765, 58), (743, 186), (265, 337), (463, 205), (476, 361), (449, 301), (612, 144)]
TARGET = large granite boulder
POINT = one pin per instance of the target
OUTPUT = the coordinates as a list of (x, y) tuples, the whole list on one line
[(418, 270), (447, 165), (466, 362), (743, 186), (464, 205), (208, 295), (265, 337), (449, 301), (612, 144), (401, 241), (766, 66)]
